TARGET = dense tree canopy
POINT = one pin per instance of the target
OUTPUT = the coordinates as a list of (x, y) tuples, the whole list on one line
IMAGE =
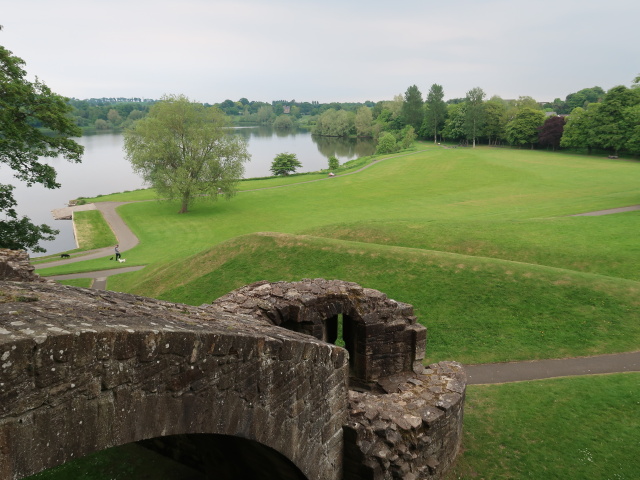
[(25, 106), (185, 152), (524, 128)]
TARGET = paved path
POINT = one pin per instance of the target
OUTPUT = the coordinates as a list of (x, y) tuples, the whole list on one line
[(126, 239), (540, 369), (608, 212), (100, 277)]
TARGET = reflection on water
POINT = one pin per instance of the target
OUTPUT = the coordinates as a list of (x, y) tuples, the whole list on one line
[(105, 170), (344, 148)]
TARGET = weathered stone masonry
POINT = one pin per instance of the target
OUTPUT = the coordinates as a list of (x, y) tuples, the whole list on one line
[(83, 370)]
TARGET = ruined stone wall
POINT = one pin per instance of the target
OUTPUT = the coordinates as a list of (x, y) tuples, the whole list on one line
[(413, 432), (405, 421), (15, 266), (84, 370), (382, 335)]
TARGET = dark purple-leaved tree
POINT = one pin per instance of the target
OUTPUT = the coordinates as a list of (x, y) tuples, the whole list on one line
[(551, 131)]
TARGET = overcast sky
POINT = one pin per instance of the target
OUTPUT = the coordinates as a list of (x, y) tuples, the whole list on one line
[(329, 50)]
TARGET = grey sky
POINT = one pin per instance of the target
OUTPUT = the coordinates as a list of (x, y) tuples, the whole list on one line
[(329, 50)]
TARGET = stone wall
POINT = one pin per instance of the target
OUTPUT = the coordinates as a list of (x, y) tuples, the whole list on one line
[(15, 266), (413, 432), (405, 421), (83, 370), (381, 334)]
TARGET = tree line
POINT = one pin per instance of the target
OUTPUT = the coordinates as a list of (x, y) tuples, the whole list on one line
[(586, 120), (576, 122)]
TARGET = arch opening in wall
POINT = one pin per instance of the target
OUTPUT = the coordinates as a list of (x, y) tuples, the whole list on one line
[(226, 457), (192, 456)]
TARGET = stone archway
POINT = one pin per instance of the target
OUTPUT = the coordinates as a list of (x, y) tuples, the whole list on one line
[(381, 334)]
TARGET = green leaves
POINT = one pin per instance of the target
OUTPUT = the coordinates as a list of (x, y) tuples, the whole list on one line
[(26, 108), (285, 163), (185, 152)]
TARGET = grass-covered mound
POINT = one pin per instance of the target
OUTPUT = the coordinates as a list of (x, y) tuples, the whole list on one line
[(476, 309)]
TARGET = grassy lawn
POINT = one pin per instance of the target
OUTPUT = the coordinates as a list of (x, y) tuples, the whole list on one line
[(482, 243), (569, 428)]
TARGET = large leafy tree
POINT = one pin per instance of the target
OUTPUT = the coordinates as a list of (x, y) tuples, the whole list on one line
[(579, 129), (363, 122), (26, 108), (612, 131), (334, 123), (185, 151), (412, 107), (454, 126), (523, 129), (435, 112), (475, 114), (495, 110)]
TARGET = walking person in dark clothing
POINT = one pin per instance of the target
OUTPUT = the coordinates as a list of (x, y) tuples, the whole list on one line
[(117, 253)]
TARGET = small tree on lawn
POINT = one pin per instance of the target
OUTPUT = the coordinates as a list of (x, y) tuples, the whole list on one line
[(334, 163), (284, 164)]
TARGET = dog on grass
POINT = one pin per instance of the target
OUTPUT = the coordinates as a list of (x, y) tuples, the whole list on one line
[(122, 260), (65, 255)]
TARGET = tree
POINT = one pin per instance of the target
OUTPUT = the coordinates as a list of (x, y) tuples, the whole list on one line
[(283, 122), (436, 111), (23, 105), (407, 137), (524, 128), (334, 163), (183, 150), (475, 115), (334, 123), (285, 163), (455, 123), (579, 129), (387, 143), (611, 130), (363, 122), (412, 108), (550, 133), (495, 120)]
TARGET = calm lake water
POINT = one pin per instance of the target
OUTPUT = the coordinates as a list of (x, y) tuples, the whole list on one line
[(104, 170)]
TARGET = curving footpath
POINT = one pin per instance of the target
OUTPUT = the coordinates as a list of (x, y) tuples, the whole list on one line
[(489, 373), (126, 240)]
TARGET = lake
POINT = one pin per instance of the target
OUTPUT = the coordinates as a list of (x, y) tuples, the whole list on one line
[(104, 170)]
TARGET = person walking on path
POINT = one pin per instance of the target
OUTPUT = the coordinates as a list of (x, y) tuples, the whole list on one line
[(117, 253)]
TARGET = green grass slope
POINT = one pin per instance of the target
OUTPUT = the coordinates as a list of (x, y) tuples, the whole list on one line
[(486, 205), (564, 428), (476, 309)]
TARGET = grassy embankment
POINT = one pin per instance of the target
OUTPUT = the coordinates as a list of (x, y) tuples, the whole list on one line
[(479, 241)]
